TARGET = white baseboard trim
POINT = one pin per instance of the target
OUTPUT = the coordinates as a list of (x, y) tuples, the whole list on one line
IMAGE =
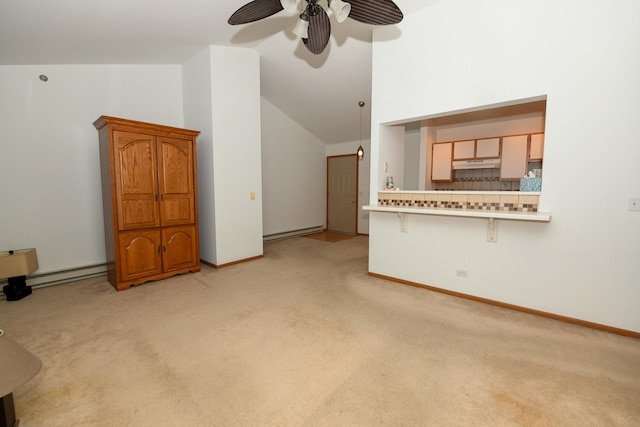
[(62, 276), (292, 233)]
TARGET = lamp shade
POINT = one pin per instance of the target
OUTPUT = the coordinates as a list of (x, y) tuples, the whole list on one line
[(19, 262), (360, 152), (18, 365), (340, 9), (290, 6), (301, 28)]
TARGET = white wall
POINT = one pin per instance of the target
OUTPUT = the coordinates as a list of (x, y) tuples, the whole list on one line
[(391, 159), (222, 98), (412, 160), (237, 152), (196, 85), (363, 176), (584, 263), (294, 174), (50, 192), (50, 173)]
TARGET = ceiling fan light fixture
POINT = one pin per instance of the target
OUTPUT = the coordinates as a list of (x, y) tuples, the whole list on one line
[(291, 6), (301, 29), (316, 30), (340, 9)]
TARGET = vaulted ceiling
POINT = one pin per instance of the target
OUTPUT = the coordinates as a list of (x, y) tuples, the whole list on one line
[(321, 92)]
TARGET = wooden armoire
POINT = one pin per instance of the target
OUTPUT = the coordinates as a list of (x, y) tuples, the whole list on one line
[(150, 200)]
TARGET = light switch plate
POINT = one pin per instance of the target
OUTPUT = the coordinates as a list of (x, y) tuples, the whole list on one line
[(634, 204)]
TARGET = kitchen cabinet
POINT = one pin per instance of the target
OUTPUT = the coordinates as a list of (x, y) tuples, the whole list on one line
[(464, 150), (536, 147), (514, 157), (149, 193), (488, 148), (442, 154)]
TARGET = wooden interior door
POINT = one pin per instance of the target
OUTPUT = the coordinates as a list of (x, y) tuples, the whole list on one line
[(342, 193)]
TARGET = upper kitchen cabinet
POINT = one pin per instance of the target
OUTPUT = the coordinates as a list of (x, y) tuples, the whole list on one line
[(488, 148), (464, 150), (536, 147), (514, 157), (441, 162)]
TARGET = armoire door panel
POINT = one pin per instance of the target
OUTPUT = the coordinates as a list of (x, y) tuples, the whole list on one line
[(176, 181), (135, 174), (140, 254), (141, 213), (179, 247)]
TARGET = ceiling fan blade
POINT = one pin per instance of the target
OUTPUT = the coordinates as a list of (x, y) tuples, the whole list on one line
[(254, 11), (319, 32), (376, 12)]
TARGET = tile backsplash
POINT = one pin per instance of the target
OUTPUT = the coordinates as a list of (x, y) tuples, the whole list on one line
[(481, 180), (477, 180), (487, 202)]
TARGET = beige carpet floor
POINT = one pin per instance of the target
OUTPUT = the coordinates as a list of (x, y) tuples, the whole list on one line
[(304, 337)]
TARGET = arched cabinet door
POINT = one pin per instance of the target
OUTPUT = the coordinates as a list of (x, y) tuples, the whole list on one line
[(179, 247), (140, 254)]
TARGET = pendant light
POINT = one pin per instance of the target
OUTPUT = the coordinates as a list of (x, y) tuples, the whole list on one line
[(360, 151)]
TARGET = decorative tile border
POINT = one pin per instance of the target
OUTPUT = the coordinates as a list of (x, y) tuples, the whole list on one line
[(485, 202)]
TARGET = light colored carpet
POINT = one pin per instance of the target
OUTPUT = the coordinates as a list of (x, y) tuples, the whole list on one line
[(329, 236), (304, 337)]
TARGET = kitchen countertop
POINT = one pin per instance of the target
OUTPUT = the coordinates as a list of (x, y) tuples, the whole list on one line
[(532, 193), (469, 213)]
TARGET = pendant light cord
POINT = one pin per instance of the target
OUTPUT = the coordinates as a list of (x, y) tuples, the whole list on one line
[(361, 104)]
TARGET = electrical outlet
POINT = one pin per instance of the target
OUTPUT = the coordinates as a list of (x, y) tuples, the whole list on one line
[(634, 204), (462, 273)]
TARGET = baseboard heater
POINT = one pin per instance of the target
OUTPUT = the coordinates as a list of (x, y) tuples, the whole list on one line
[(62, 276), (292, 233)]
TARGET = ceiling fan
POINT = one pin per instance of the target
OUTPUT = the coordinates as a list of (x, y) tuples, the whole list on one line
[(313, 26)]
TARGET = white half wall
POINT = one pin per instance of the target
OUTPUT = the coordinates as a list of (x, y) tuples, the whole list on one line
[(294, 174), (584, 263), (49, 162)]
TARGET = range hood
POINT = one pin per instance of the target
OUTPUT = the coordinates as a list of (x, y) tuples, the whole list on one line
[(476, 164)]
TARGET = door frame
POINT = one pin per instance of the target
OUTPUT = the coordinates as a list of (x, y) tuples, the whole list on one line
[(357, 190)]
